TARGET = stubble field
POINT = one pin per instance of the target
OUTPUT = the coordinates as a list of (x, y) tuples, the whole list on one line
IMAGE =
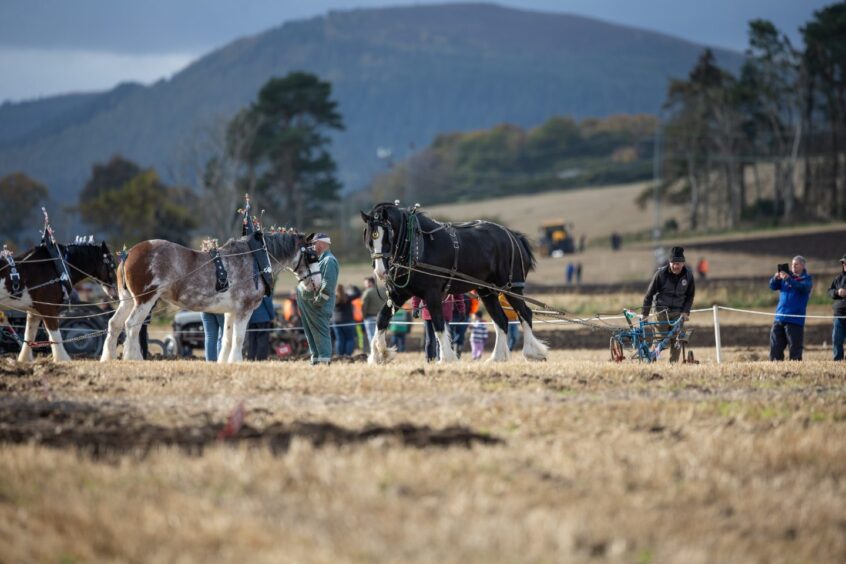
[(573, 459)]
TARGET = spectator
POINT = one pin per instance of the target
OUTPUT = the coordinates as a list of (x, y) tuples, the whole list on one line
[(513, 322), (582, 243), (371, 304), (616, 241), (672, 289), (316, 308), (579, 273), (788, 330), (258, 330), (837, 292), (571, 270), (399, 328), (478, 335), (458, 327), (343, 323), (702, 268), (213, 329), (430, 339)]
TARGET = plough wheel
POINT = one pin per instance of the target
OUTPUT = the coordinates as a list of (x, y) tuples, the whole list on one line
[(616, 347)]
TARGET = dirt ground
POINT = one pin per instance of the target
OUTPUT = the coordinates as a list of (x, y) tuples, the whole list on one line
[(575, 459)]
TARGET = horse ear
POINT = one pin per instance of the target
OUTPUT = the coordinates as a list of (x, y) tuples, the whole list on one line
[(365, 218), (309, 237)]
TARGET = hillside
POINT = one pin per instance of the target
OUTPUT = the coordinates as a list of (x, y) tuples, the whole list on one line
[(401, 75)]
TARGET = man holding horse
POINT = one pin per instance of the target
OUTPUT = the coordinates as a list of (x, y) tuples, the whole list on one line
[(316, 308)]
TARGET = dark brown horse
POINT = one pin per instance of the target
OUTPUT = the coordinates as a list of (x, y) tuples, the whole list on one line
[(40, 292), (159, 269)]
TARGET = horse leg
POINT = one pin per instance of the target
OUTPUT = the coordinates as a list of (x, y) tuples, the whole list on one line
[(533, 348), (500, 351), (379, 351), (116, 324), (239, 332), (59, 352), (132, 346), (32, 323), (226, 343), (446, 352)]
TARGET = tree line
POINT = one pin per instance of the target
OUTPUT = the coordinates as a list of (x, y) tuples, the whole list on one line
[(276, 149), (782, 118), (508, 159)]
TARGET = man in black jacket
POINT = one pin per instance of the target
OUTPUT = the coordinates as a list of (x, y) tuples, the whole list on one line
[(673, 289), (837, 292)]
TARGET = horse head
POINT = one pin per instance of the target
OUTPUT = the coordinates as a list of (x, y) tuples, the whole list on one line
[(382, 232), (94, 261), (293, 249)]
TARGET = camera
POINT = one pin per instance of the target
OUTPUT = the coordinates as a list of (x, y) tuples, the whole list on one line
[(784, 268)]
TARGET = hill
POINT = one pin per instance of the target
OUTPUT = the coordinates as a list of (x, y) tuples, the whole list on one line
[(402, 75)]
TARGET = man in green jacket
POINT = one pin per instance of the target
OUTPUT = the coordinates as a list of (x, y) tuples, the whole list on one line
[(316, 308)]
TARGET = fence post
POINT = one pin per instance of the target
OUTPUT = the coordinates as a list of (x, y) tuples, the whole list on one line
[(717, 332)]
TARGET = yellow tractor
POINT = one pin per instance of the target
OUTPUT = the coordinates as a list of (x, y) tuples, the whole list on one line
[(556, 237)]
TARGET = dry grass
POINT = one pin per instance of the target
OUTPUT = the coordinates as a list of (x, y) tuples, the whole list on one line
[(632, 463)]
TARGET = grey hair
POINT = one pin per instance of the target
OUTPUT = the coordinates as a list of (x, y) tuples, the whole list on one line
[(800, 258)]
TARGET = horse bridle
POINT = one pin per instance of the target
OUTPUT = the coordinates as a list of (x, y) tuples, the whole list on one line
[(310, 257)]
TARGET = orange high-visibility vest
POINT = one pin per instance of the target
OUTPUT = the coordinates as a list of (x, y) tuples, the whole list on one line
[(357, 314)]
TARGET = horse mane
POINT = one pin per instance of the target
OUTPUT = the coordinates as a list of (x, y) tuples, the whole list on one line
[(282, 246)]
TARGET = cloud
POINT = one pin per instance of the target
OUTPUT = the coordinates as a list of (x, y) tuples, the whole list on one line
[(32, 73)]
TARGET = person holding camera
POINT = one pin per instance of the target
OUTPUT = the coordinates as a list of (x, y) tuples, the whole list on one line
[(837, 292), (672, 288), (788, 330)]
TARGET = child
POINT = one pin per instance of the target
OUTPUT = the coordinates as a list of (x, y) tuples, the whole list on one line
[(478, 336)]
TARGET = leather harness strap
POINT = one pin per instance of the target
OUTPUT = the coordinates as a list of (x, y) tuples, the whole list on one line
[(221, 283)]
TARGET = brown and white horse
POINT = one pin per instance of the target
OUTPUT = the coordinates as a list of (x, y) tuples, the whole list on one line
[(40, 292), (158, 269)]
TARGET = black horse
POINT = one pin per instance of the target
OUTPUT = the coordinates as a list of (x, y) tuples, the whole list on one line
[(417, 256)]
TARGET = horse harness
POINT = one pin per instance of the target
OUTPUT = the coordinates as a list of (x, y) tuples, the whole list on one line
[(221, 282), (14, 275), (410, 242)]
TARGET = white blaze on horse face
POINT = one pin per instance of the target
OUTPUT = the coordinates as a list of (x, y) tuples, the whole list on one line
[(379, 264), (314, 281)]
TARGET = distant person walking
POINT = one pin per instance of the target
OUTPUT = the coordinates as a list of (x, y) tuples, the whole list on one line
[(788, 330), (702, 268), (478, 335), (837, 292), (571, 271), (579, 273)]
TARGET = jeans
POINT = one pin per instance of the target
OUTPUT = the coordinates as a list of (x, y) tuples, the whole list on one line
[(399, 341), (213, 329), (258, 340), (370, 328), (344, 339), (783, 335), (837, 335), (513, 334)]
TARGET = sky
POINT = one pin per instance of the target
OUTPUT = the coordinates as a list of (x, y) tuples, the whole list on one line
[(50, 47)]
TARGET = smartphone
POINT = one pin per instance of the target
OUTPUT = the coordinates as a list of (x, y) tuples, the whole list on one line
[(784, 268)]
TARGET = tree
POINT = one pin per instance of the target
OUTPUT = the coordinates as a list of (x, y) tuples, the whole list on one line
[(824, 65), (21, 196), (281, 141), (104, 178), (142, 208)]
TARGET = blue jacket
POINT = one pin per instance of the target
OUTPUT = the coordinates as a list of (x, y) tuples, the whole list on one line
[(264, 312), (795, 292)]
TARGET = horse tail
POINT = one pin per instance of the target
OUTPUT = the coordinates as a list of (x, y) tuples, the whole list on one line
[(529, 259)]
